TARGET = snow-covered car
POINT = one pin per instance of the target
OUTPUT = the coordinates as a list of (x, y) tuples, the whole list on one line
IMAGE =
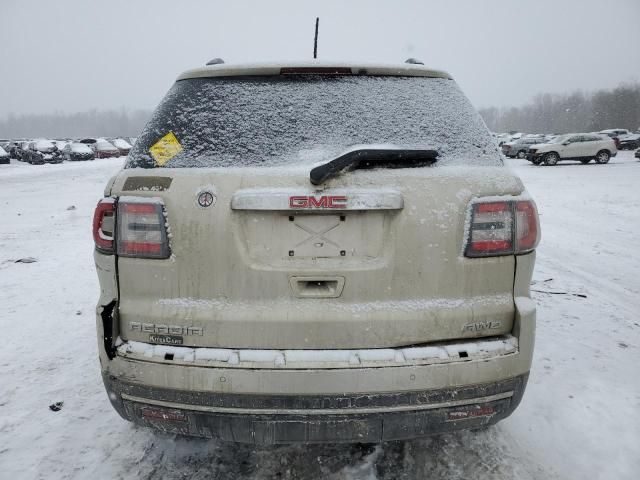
[(614, 132), (582, 147), (520, 147), (77, 151), (40, 152), (122, 145), (304, 253), (18, 150), (60, 144), (105, 149), (502, 138), (4, 156)]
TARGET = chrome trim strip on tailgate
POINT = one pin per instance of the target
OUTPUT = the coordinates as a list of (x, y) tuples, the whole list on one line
[(351, 199), (318, 411)]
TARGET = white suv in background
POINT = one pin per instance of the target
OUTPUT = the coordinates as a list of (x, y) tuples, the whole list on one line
[(583, 147)]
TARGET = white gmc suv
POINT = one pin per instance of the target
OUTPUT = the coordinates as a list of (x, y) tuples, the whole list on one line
[(315, 253)]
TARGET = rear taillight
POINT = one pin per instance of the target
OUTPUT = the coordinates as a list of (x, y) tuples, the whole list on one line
[(104, 225), (131, 228), (141, 230), (527, 227), (502, 228)]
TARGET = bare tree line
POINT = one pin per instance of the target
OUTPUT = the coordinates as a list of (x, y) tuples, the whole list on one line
[(574, 112), (547, 113), (93, 123)]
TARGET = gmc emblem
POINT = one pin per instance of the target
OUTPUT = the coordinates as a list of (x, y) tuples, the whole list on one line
[(325, 201)]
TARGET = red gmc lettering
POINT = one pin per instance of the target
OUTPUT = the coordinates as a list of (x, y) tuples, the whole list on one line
[(325, 201)]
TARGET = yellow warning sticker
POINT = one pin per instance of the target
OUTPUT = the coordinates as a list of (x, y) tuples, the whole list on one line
[(165, 149)]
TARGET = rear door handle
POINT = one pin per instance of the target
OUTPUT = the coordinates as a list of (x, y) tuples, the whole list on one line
[(317, 287)]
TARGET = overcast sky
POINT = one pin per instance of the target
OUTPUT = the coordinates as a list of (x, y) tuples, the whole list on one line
[(74, 55)]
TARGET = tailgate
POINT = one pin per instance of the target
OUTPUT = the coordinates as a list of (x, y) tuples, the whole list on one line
[(372, 260)]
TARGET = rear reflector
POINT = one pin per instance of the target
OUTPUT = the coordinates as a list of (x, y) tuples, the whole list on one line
[(502, 228), (141, 230), (104, 225)]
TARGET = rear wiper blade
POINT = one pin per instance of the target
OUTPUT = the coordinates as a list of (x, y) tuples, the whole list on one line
[(372, 158)]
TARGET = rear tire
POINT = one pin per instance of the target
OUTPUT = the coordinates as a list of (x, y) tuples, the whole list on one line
[(551, 159), (602, 157), (521, 154)]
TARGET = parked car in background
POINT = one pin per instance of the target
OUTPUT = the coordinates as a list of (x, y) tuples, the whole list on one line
[(519, 148), (104, 149), (12, 149), (22, 148), (502, 138), (42, 151), (122, 145), (4, 156), (89, 141), (630, 141), (637, 154), (614, 132), (78, 151), (60, 144), (582, 147)]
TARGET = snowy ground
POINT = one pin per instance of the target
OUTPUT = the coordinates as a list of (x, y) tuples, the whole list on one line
[(580, 417)]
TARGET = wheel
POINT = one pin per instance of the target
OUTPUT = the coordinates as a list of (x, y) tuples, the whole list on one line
[(585, 161), (602, 157), (521, 154), (551, 158)]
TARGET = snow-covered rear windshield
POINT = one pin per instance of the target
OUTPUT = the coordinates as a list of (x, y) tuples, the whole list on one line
[(280, 120)]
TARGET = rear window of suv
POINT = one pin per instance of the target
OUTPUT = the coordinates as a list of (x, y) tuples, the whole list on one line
[(285, 120)]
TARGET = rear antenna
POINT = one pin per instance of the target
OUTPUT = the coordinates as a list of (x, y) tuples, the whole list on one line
[(315, 40)]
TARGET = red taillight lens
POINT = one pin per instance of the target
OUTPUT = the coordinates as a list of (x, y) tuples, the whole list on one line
[(491, 231), (104, 225), (502, 228), (141, 230), (527, 229)]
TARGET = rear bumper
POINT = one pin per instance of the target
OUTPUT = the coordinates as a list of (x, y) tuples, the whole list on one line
[(279, 405), (278, 419)]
